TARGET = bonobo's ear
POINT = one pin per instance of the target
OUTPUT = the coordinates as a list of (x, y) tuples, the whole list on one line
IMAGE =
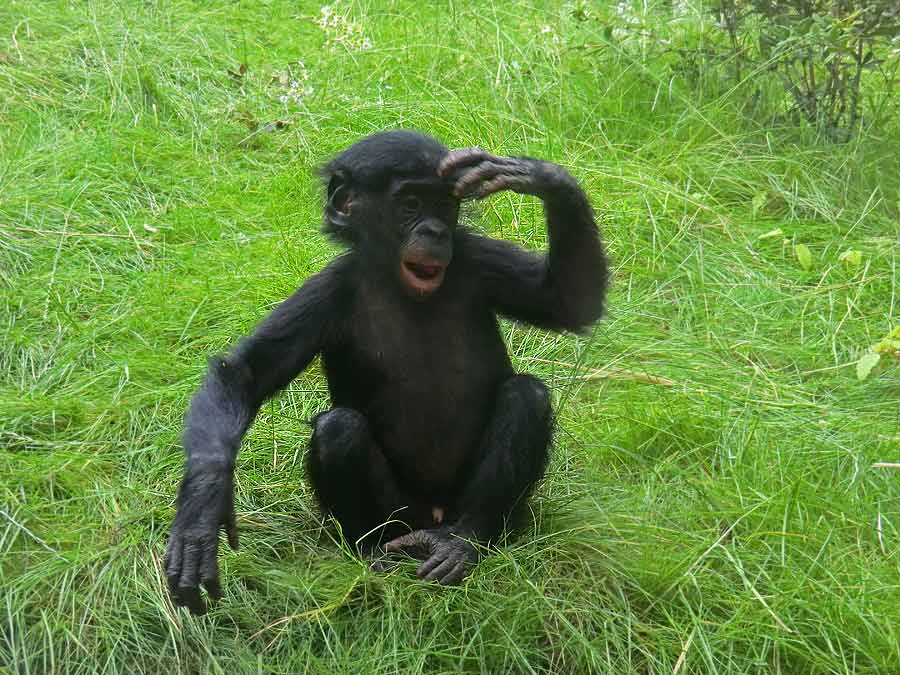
[(339, 204)]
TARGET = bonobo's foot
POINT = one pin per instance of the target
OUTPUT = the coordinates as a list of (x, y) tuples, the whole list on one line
[(448, 558)]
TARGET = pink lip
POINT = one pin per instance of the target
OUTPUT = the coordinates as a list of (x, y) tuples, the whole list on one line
[(423, 276)]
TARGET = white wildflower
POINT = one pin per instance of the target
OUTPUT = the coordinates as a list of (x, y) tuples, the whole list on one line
[(340, 30), (293, 81)]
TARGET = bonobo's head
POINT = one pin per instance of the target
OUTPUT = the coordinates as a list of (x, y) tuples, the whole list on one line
[(386, 200)]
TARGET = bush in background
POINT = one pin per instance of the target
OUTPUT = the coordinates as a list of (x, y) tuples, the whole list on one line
[(837, 59)]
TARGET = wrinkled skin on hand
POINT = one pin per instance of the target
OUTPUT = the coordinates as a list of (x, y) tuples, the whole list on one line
[(479, 174), (205, 505), (448, 559)]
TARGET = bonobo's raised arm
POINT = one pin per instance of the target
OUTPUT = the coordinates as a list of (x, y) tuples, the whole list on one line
[(563, 290), (219, 415)]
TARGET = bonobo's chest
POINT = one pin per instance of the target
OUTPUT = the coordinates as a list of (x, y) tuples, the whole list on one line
[(424, 374), (440, 345)]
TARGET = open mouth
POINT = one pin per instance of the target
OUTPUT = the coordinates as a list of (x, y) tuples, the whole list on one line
[(423, 276)]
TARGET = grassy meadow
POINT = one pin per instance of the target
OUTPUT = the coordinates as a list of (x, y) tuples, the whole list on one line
[(712, 505)]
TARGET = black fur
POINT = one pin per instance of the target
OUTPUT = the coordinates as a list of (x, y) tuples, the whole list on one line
[(378, 158), (427, 411)]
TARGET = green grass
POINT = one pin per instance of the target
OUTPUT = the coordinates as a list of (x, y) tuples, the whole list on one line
[(712, 505)]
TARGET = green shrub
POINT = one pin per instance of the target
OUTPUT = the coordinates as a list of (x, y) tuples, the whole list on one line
[(837, 59)]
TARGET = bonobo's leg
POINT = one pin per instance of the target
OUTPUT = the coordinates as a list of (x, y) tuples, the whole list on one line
[(353, 481), (511, 460)]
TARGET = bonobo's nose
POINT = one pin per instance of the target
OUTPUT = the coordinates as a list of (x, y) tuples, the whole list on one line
[(434, 229)]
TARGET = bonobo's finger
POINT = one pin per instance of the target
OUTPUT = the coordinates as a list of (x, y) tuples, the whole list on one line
[(442, 570), (457, 574), (213, 589), (426, 567), (188, 591), (470, 180), (190, 564), (173, 563), (231, 530), (414, 543), (457, 159), (505, 181), (209, 571), (190, 598), (401, 543), (489, 187)]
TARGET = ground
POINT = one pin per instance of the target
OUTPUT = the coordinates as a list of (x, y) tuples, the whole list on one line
[(712, 505)]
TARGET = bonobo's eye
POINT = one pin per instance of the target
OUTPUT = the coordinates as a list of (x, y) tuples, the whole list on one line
[(410, 204), (450, 207)]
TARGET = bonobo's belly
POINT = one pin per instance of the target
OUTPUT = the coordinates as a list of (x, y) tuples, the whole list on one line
[(428, 435), (427, 390)]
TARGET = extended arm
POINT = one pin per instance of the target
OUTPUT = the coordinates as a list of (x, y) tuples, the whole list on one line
[(562, 290), (219, 415)]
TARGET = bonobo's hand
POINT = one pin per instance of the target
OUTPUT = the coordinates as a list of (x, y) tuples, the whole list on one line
[(479, 174), (448, 558), (205, 504)]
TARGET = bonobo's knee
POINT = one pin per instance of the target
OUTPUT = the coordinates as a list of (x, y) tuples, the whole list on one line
[(339, 435), (529, 392)]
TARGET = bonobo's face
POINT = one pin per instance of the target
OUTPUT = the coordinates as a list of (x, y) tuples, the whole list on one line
[(425, 213), (385, 199)]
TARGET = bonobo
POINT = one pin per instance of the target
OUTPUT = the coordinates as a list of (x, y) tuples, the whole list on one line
[(432, 440)]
